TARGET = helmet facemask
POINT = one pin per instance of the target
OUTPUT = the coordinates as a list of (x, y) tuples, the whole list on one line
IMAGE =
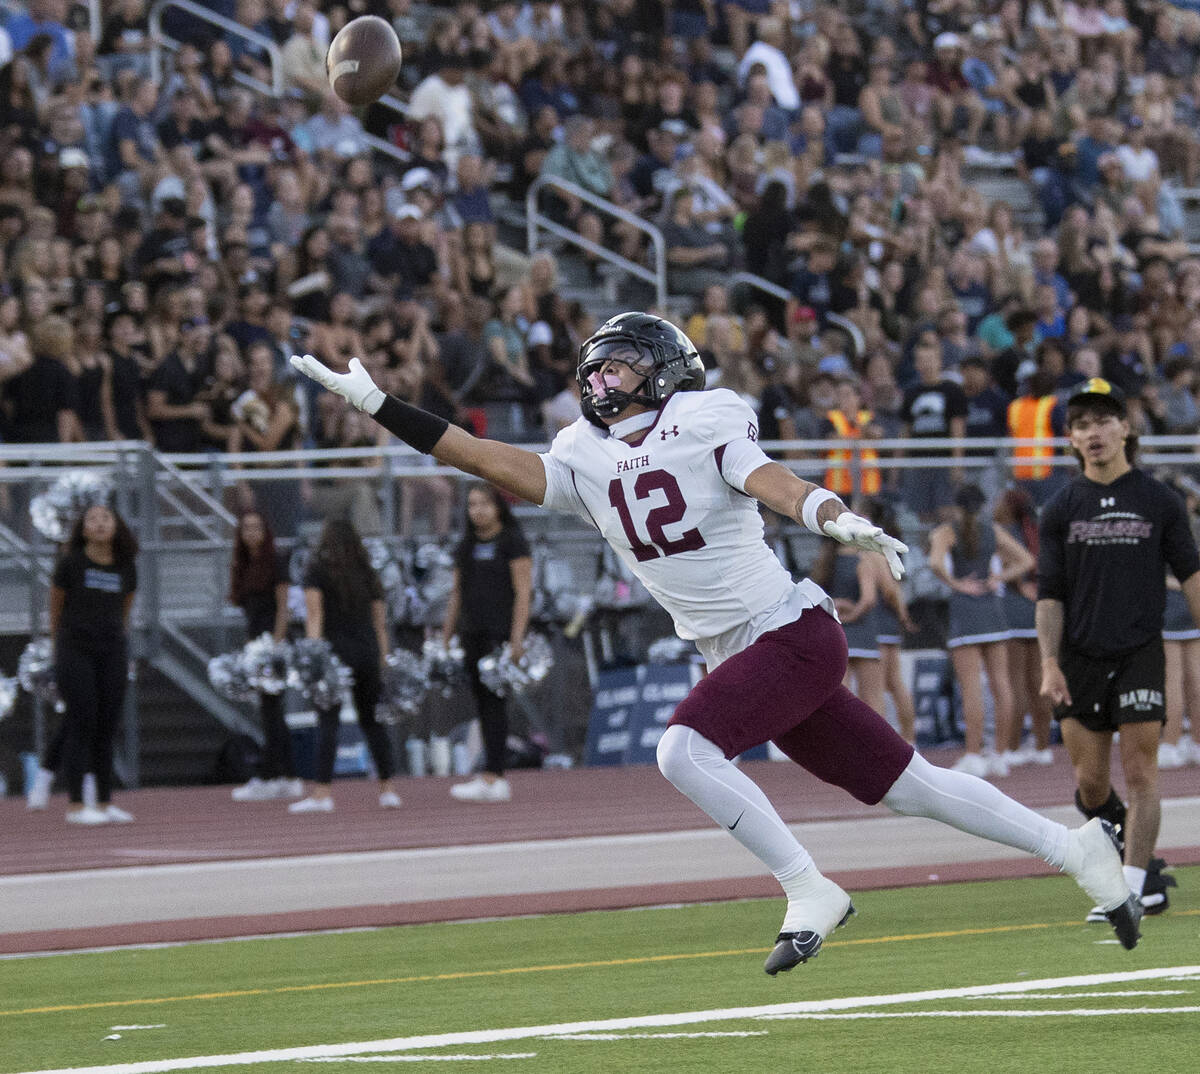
[(600, 397)]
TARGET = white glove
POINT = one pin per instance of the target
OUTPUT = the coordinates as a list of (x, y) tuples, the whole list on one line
[(856, 530), (356, 387)]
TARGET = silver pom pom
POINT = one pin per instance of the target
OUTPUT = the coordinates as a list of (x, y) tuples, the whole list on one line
[(318, 674), (669, 650), (8, 694), (447, 669), (55, 511), (405, 684), (266, 662), (35, 671), (505, 677), (227, 674)]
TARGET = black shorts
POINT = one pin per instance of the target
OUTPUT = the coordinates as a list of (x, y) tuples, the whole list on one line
[(1109, 691)]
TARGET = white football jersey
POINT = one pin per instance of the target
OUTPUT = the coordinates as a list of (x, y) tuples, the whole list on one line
[(661, 502)]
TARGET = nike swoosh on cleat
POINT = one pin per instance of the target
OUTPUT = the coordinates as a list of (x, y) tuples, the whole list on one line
[(736, 822)]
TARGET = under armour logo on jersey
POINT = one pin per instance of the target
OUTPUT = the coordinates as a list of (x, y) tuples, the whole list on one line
[(673, 431), (1108, 501), (751, 431)]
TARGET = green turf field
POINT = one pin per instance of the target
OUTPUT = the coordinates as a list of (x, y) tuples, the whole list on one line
[(990, 977)]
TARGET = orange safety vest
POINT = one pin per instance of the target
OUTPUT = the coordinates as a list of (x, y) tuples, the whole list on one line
[(839, 477), (1029, 418)]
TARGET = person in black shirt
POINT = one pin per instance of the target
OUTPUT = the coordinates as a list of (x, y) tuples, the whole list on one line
[(173, 405), (258, 584), (933, 408), (43, 400), (1105, 542), (344, 603), (493, 584), (90, 595)]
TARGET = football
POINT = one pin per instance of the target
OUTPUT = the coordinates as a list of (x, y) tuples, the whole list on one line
[(364, 60)]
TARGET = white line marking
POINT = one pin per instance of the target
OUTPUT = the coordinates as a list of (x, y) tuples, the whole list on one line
[(419, 1058), (160, 1025), (648, 1021), (1078, 1012), (659, 1036), (1099, 995)]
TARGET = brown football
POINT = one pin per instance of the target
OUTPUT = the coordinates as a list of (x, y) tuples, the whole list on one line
[(364, 60)]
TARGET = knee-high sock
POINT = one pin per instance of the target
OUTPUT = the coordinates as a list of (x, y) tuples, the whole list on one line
[(974, 805), (699, 769)]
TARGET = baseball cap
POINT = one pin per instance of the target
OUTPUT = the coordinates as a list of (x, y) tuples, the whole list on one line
[(676, 127), (418, 177), (1098, 390), (540, 334), (947, 40), (73, 157), (408, 211)]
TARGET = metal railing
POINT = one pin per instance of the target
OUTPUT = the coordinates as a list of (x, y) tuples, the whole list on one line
[(161, 41), (760, 283), (536, 221)]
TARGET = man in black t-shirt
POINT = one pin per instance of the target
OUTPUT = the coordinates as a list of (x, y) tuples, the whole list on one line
[(175, 413), (933, 408), (1105, 543)]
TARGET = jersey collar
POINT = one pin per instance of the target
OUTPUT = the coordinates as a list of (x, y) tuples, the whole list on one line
[(621, 429)]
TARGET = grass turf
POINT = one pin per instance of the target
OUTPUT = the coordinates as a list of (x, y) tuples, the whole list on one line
[(222, 998)]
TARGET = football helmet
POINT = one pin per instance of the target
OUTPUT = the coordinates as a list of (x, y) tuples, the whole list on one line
[(652, 346)]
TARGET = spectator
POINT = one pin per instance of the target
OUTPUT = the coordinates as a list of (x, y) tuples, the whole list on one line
[(304, 53), (444, 96), (138, 152), (695, 259), (43, 399), (401, 261), (173, 407)]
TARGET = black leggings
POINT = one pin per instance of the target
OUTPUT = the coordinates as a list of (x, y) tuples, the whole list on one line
[(493, 710), (91, 683), (277, 760), (367, 688)]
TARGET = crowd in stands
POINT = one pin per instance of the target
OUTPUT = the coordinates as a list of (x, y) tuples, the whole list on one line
[(166, 245)]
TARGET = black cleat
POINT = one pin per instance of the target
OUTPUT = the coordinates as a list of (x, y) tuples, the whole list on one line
[(1125, 920), (794, 948), (1154, 888)]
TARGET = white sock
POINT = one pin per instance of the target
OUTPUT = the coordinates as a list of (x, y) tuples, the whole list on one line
[(699, 769), (1135, 878), (974, 805), (89, 790)]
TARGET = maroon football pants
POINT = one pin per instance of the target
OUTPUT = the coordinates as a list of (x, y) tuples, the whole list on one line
[(787, 688)]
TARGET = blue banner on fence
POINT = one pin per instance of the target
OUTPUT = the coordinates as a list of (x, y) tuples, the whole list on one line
[(631, 709)]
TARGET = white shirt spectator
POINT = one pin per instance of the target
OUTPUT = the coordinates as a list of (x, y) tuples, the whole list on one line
[(434, 96), (779, 73), (1138, 164)]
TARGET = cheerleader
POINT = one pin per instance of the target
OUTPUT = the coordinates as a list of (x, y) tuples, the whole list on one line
[(849, 577)]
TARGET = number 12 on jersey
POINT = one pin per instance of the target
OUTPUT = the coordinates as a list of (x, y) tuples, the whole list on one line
[(657, 518)]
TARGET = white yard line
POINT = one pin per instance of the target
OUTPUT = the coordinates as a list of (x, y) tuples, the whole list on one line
[(492, 1036)]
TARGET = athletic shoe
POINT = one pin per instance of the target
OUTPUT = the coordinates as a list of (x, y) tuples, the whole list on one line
[(482, 790), (826, 908), (256, 790), (118, 815), (973, 764), (389, 800), (1170, 756), (1042, 757), (312, 805), (996, 765), (1016, 758), (1154, 888), (88, 815), (289, 788), (38, 797), (1190, 749), (1093, 861)]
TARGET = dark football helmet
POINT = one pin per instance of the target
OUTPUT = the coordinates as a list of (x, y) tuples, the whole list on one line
[(647, 344)]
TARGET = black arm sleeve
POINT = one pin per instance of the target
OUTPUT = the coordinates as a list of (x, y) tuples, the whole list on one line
[(1179, 547), (416, 427)]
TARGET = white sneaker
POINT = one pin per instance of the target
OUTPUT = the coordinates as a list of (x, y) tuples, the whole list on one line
[(289, 788), (118, 815), (1093, 861), (312, 805), (389, 800), (255, 790), (38, 797), (482, 790), (88, 815), (1170, 756), (996, 765), (1042, 757), (811, 916), (973, 764), (1016, 758)]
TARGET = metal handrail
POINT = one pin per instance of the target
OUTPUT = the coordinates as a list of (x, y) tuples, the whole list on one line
[(773, 289), (535, 220), (161, 40)]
